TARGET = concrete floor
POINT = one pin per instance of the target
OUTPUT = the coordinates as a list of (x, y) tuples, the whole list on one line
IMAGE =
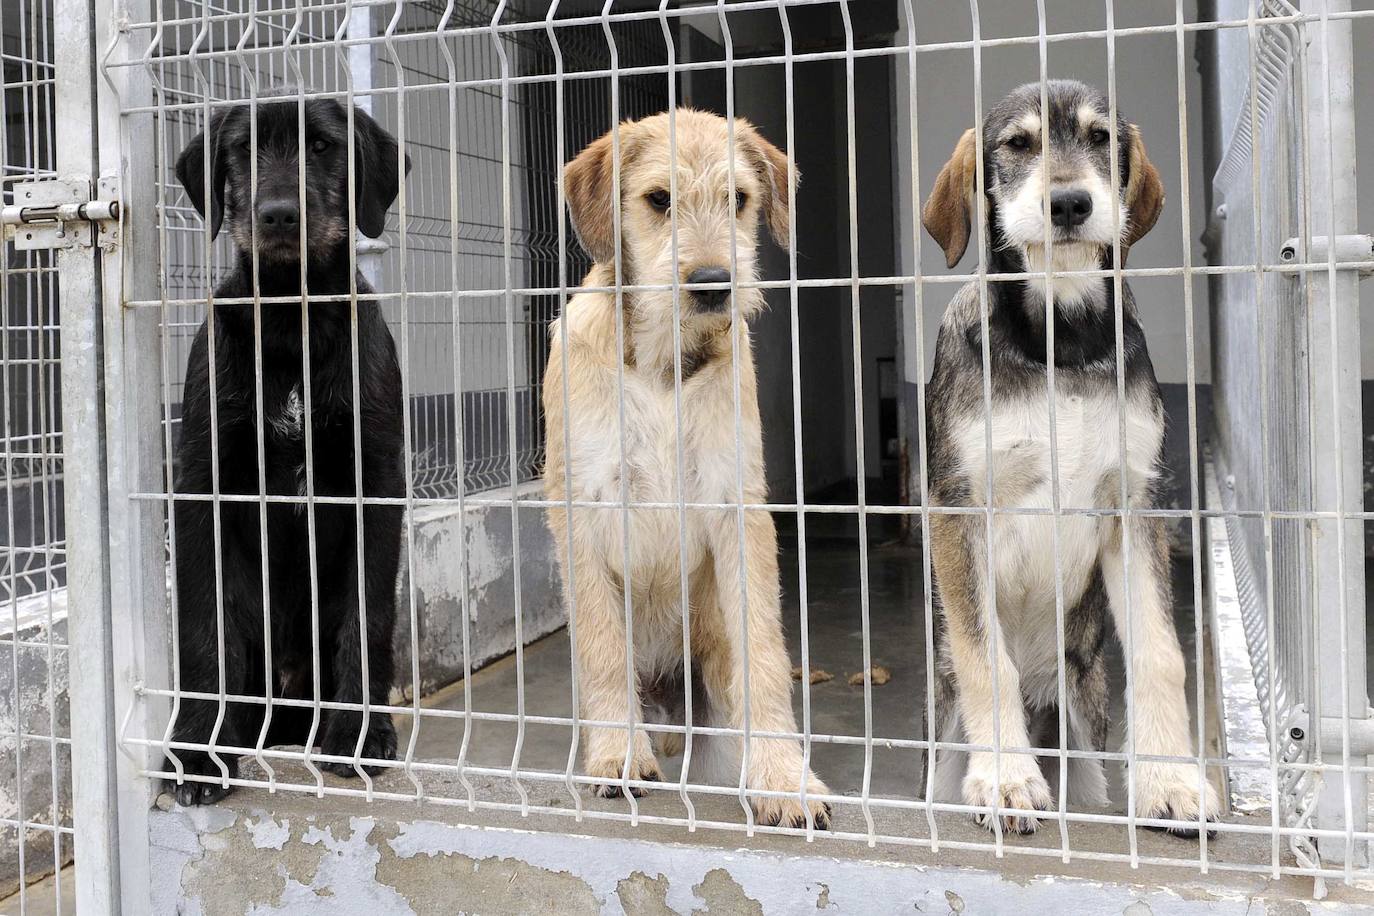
[(51, 896), (897, 627)]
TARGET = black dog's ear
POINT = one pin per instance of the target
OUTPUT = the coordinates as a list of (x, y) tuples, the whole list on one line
[(190, 171), (375, 182)]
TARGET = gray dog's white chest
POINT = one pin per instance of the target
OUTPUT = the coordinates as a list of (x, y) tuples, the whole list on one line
[(1090, 454), (1083, 448)]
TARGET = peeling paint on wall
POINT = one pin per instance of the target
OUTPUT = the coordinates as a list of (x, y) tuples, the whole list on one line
[(490, 590), (214, 862)]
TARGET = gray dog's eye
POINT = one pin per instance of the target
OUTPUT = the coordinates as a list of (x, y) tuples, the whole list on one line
[(320, 145), (660, 200), (1020, 142), (1099, 136)]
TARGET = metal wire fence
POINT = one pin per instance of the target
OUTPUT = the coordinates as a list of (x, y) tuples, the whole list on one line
[(35, 763), (490, 103)]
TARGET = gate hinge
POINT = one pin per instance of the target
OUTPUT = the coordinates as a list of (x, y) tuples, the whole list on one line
[(1355, 252), (62, 213)]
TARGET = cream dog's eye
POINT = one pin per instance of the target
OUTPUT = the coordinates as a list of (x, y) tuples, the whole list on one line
[(740, 200), (660, 200)]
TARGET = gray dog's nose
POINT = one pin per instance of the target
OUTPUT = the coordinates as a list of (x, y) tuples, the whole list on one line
[(1070, 208), (710, 299), (279, 214)]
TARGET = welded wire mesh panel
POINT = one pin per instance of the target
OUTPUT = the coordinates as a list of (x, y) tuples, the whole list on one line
[(728, 428), (35, 764), (1260, 373), (1278, 410)]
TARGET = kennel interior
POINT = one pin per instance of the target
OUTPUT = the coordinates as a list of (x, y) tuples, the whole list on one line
[(1249, 110)]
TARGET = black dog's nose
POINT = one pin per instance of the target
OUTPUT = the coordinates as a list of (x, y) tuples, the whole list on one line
[(710, 299), (279, 214), (1070, 208)]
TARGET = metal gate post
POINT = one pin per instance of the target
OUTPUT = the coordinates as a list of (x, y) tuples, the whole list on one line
[(133, 428), (94, 803), (117, 588), (1337, 472)]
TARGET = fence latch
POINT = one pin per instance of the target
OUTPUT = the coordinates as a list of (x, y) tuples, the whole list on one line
[(1353, 252), (62, 213)]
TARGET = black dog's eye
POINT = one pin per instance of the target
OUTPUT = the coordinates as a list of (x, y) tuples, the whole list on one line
[(740, 200), (245, 147), (1099, 136), (320, 145), (660, 200), (1020, 142)]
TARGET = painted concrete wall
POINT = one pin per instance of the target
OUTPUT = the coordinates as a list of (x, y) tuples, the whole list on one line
[(297, 854), (440, 536)]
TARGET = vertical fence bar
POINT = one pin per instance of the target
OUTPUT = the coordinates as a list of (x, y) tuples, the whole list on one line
[(95, 806), (1333, 303)]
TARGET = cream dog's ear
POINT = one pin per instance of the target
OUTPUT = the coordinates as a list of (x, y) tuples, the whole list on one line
[(589, 184), (777, 177)]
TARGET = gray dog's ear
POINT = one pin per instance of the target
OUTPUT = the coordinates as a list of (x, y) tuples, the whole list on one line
[(948, 212), (191, 165), (376, 179), (777, 177), (589, 184), (1144, 191)]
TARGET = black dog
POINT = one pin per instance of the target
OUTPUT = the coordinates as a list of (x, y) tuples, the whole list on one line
[(271, 216)]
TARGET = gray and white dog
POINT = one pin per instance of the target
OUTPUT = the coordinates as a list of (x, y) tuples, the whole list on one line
[(999, 451)]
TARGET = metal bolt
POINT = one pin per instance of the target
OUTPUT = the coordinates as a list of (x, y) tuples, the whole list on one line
[(1221, 211), (1296, 733)]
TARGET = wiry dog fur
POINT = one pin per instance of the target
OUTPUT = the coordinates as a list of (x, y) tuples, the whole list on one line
[(215, 170), (1088, 213), (587, 346)]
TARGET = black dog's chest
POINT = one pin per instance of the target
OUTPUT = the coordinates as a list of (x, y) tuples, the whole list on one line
[(284, 429)]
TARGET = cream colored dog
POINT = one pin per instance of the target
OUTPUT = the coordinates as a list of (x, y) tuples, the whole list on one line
[(592, 459)]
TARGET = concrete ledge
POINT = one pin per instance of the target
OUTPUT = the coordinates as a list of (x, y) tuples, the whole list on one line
[(299, 854), (440, 534)]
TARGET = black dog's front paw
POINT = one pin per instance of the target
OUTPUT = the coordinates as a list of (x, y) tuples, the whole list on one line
[(198, 763), (341, 740)]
